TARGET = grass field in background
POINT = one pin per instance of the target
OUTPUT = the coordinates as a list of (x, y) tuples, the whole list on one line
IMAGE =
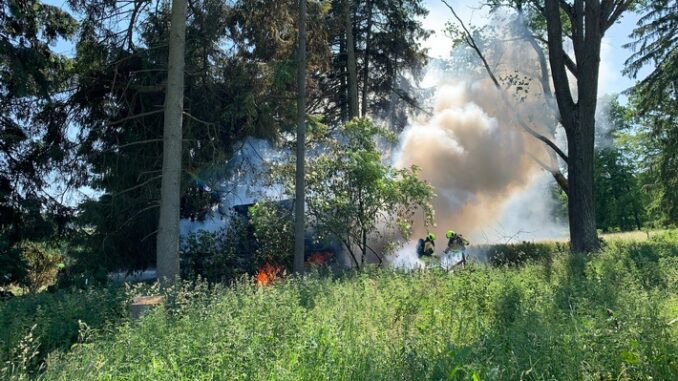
[(607, 316)]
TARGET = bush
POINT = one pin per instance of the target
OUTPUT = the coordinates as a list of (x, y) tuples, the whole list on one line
[(274, 232), (47, 322), (42, 265), (518, 254), (33, 265), (217, 256)]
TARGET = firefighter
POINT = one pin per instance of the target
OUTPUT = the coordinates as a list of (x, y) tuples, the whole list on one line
[(426, 247), (456, 243), (430, 244)]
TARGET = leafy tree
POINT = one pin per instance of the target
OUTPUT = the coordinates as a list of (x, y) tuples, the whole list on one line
[(655, 100), (352, 196), (583, 23), (619, 200)]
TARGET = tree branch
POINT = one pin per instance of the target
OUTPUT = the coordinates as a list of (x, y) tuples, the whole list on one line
[(569, 11), (471, 42), (561, 180), (148, 89), (138, 185), (571, 65), (557, 58), (136, 116), (190, 116), (616, 11)]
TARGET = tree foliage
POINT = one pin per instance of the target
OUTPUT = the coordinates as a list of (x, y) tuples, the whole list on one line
[(235, 89), (36, 163), (389, 58), (654, 101), (274, 233), (353, 197), (34, 144)]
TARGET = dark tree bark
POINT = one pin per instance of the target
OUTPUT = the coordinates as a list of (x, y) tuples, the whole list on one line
[(299, 203), (350, 62), (589, 21), (170, 191), (366, 60), (343, 88)]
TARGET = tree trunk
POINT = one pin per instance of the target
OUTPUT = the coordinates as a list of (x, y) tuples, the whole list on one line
[(168, 225), (634, 205), (343, 89), (581, 208), (578, 118), (366, 60), (350, 62), (299, 229)]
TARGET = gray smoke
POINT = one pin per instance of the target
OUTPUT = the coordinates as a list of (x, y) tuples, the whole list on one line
[(472, 150)]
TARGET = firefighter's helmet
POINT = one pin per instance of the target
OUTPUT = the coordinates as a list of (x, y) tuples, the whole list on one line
[(450, 234), (431, 237)]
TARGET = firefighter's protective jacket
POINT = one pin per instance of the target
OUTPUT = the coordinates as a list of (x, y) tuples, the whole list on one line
[(457, 243), (429, 247)]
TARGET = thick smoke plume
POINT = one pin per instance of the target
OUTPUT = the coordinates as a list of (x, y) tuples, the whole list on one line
[(475, 154), (473, 160)]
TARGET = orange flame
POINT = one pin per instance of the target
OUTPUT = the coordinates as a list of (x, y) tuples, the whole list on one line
[(268, 273), (320, 258)]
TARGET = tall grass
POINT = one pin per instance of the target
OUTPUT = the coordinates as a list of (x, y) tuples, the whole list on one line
[(34, 325), (602, 317), (599, 317)]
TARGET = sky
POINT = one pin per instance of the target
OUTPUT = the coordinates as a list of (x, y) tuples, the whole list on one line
[(613, 55)]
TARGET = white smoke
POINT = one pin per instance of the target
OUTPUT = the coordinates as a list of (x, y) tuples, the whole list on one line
[(244, 184), (526, 215), (406, 258)]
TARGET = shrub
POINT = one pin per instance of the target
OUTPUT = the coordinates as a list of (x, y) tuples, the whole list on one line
[(274, 232), (219, 256), (42, 264), (33, 265), (517, 254)]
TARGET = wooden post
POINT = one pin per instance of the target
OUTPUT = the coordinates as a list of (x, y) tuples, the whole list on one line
[(142, 304)]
